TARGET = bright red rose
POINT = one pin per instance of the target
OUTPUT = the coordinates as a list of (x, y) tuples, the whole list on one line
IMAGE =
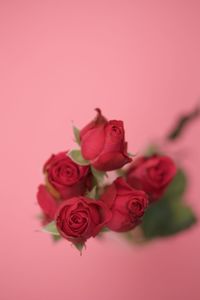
[(126, 204), (47, 203), (80, 218), (152, 174), (103, 144), (65, 178)]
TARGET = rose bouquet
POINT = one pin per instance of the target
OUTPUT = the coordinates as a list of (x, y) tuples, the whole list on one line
[(78, 201)]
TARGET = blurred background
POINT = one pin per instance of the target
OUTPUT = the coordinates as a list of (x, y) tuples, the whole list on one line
[(138, 61)]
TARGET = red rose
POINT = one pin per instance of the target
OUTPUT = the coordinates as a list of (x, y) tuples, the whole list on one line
[(47, 203), (103, 144), (152, 174), (80, 218), (127, 205), (65, 178)]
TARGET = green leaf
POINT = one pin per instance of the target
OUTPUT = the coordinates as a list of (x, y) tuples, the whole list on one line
[(77, 157), (93, 193), (51, 228), (178, 186), (183, 217), (167, 217), (76, 132), (79, 247), (99, 176)]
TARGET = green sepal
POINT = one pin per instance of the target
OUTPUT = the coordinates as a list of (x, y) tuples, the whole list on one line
[(77, 157), (79, 247), (56, 238), (51, 228), (98, 175), (93, 194), (105, 229), (121, 172), (152, 150), (76, 132)]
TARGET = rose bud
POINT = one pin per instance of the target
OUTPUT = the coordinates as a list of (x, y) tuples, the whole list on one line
[(126, 204), (80, 218), (47, 203), (98, 121), (65, 178), (103, 144), (152, 174)]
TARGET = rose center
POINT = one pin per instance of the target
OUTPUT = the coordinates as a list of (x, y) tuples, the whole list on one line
[(116, 131), (78, 221), (66, 174), (136, 208), (157, 173)]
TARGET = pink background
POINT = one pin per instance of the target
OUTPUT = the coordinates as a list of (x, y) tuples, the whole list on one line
[(137, 60)]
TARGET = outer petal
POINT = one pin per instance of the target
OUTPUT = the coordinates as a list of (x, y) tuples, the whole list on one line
[(114, 137), (54, 158), (99, 120), (73, 190), (111, 161), (93, 142), (105, 216), (120, 222), (122, 187), (109, 195), (47, 203)]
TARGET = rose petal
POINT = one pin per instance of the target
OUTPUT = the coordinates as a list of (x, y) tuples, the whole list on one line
[(123, 188), (120, 222), (109, 195), (111, 161), (47, 203), (105, 217), (92, 143), (99, 120), (55, 158), (114, 140)]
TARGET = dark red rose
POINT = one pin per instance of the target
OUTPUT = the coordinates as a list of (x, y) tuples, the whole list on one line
[(103, 144), (47, 203), (126, 204), (65, 178), (152, 174), (80, 218)]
